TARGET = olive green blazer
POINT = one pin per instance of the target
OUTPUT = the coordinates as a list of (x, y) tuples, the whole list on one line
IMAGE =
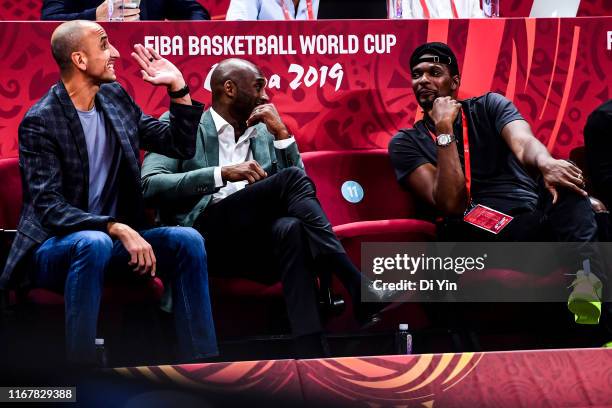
[(181, 189)]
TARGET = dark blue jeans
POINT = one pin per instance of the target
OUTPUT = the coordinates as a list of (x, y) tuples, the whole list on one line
[(76, 265)]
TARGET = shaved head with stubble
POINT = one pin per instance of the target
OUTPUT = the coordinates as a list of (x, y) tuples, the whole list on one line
[(237, 88), (66, 39)]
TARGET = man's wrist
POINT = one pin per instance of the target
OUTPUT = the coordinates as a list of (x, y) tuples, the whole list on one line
[(223, 174), (110, 228), (282, 134), (177, 85), (542, 161), (444, 128)]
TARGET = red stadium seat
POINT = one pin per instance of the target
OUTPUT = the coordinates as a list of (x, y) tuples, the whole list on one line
[(385, 214)]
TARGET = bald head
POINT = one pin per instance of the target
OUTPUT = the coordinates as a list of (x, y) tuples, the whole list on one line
[(67, 38), (233, 69)]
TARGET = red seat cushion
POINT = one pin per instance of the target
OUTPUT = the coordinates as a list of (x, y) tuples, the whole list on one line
[(151, 291), (10, 193), (352, 235), (408, 229), (242, 288), (513, 279)]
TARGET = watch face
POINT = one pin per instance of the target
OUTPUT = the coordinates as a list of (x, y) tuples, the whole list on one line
[(444, 140)]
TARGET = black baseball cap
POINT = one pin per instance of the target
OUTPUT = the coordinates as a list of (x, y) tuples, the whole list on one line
[(441, 54)]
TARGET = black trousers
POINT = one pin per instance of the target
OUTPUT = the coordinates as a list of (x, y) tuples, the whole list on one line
[(571, 219), (270, 230)]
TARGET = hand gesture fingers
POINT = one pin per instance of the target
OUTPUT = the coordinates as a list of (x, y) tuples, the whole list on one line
[(261, 113), (159, 70), (140, 57), (573, 187), (153, 262), (130, 12), (553, 192), (257, 169)]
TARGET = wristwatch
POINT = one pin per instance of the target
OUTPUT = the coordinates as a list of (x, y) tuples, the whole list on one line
[(180, 93), (444, 139)]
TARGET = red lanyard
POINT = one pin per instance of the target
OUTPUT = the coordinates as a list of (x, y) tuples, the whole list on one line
[(466, 155), (426, 9), (310, 13)]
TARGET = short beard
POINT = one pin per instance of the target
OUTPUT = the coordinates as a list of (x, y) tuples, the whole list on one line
[(427, 106)]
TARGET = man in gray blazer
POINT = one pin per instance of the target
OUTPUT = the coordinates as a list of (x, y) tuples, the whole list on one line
[(246, 191)]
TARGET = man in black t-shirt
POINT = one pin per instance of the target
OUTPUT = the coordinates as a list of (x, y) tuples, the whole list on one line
[(430, 161), (598, 145)]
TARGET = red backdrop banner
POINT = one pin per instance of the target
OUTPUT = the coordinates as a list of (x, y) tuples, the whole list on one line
[(30, 9), (351, 89)]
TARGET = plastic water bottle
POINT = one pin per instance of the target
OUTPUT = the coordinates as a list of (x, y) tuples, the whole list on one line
[(101, 355), (490, 8), (403, 340)]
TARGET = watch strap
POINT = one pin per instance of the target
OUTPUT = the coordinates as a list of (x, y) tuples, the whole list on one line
[(180, 93)]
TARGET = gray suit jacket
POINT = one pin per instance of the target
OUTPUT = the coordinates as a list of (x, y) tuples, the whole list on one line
[(181, 189)]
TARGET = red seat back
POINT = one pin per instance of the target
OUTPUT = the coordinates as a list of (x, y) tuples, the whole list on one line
[(10, 193), (383, 197)]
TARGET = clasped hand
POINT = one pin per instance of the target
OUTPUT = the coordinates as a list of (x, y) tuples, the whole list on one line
[(444, 112), (249, 170)]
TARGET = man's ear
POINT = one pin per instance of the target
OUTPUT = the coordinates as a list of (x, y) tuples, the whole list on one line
[(230, 88), (455, 82), (79, 60)]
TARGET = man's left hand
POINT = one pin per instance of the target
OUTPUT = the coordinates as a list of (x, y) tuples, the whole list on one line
[(268, 114), (564, 174), (157, 70)]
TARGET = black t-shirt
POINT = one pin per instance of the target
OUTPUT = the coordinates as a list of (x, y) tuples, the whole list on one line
[(598, 146), (498, 179)]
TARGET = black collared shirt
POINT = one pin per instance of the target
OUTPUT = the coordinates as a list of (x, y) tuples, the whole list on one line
[(498, 179)]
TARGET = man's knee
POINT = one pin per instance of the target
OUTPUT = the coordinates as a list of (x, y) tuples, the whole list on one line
[(287, 229), (93, 243), (185, 238), (287, 225), (295, 176)]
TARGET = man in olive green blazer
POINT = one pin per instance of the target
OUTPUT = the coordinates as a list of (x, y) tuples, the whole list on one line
[(246, 191)]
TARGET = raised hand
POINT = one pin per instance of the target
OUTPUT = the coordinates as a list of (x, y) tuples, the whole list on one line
[(444, 112), (156, 69)]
